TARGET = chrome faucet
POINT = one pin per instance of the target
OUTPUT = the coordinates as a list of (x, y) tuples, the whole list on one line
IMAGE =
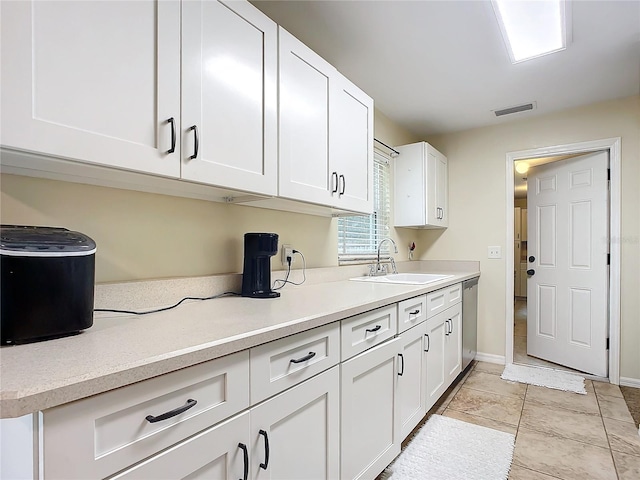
[(378, 268)]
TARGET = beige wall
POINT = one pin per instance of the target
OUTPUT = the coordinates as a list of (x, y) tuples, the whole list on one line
[(477, 206), (142, 235)]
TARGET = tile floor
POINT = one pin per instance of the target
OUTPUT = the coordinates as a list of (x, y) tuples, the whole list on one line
[(559, 435)]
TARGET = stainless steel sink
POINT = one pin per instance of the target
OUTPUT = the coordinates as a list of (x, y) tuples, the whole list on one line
[(405, 278)]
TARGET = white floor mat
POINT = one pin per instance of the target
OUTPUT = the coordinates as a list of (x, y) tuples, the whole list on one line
[(544, 377), (449, 449)]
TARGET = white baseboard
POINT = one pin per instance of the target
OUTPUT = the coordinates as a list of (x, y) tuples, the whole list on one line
[(629, 382), (490, 358)]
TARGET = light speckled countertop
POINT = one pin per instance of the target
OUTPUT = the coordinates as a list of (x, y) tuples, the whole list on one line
[(120, 350)]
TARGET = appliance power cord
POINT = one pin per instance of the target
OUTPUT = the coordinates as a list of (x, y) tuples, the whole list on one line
[(286, 278), (131, 312)]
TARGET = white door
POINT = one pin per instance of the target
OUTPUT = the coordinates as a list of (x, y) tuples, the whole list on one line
[(410, 384), (370, 420), (296, 434), (351, 146), (229, 96), (305, 83), (567, 319), (96, 82)]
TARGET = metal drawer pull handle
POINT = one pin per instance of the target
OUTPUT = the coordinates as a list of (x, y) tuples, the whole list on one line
[(196, 143), (266, 450), (446, 327), (401, 372), (415, 312), (309, 356), (172, 121), (245, 453), (374, 329), (344, 185), (428, 342), (177, 411), (334, 181)]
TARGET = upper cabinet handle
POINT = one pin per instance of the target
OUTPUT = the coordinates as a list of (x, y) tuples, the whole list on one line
[(334, 182), (374, 329), (172, 413), (195, 142), (309, 356), (172, 121), (344, 185)]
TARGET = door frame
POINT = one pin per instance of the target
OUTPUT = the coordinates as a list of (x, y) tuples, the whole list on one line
[(612, 145)]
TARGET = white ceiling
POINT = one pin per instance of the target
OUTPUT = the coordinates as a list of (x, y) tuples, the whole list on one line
[(441, 66)]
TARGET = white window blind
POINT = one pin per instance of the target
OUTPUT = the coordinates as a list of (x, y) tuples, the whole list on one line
[(359, 236)]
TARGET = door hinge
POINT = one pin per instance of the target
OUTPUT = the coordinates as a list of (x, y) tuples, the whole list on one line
[(608, 259), (607, 344), (608, 174)]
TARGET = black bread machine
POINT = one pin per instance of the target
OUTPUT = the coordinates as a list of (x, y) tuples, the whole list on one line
[(256, 274), (47, 283)]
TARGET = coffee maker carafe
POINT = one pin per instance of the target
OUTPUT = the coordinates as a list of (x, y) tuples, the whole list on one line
[(256, 274)]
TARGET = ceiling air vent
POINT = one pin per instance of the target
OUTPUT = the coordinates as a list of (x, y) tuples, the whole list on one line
[(518, 108)]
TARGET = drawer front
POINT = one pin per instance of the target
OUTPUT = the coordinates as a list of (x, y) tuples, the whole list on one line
[(436, 302), (100, 435), (278, 365), (411, 312), (367, 329), (454, 294)]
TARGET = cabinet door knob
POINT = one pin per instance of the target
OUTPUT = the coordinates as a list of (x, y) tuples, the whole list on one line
[(195, 141), (266, 450), (172, 121), (245, 454)]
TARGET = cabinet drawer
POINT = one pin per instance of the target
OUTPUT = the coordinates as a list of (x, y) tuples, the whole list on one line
[(367, 329), (411, 312), (444, 298), (100, 435), (278, 365)]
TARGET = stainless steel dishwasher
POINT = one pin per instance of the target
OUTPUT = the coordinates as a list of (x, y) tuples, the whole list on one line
[(469, 321)]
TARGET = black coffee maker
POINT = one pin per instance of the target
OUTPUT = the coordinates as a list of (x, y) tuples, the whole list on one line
[(256, 274)]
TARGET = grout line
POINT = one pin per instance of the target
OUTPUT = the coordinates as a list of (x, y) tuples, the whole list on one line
[(606, 433)]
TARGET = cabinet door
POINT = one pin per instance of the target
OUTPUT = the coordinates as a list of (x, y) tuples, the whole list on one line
[(215, 453), (93, 81), (453, 343), (440, 184), (351, 146), (435, 382), (411, 389), (301, 431), (370, 427), (229, 96), (305, 83)]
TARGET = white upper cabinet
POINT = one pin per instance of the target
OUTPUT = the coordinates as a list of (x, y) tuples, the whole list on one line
[(326, 132), (351, 146), (229, 96), (421, 187), (305, 83), (93, 81)]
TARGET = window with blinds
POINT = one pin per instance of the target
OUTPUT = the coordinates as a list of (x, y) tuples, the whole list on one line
[(359, 236)]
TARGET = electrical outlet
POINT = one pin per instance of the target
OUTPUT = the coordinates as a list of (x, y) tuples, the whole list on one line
[(287, 251), (495, 252)]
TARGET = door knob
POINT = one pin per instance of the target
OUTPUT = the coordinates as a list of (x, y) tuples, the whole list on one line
[(532, 259), (531, 272)]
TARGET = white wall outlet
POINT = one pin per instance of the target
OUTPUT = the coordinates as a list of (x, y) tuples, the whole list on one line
[(287, 251), (495, 252)]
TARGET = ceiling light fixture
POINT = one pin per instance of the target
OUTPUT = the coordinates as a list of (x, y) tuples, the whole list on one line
[(532, 28), (522, 167)]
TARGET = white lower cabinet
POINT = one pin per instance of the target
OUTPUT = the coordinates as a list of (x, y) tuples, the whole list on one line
[(411, 391), (443, 347), (370, 420), (296, 434)]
